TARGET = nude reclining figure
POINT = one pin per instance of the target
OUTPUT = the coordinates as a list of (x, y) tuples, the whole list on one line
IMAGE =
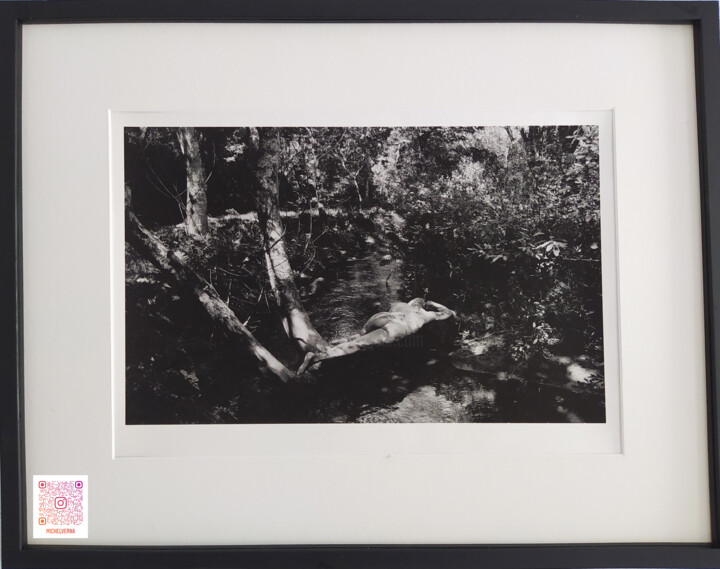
[(383, 328)]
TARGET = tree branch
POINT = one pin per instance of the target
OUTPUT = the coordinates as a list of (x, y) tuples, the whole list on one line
[(174, 266)]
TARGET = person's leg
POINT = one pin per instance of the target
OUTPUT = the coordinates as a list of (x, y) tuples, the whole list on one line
[(364, 342)]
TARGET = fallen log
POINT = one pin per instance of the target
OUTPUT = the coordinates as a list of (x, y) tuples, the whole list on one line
[(383, 329)]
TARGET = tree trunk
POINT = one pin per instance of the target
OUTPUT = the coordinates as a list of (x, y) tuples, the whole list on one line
[(196, 220), (367, 165), (265, 144), (173, 265)]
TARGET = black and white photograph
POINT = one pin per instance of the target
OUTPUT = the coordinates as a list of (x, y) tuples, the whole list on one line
[(363, 275)]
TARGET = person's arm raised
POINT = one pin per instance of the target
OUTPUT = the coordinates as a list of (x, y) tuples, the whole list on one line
[(441, 312)]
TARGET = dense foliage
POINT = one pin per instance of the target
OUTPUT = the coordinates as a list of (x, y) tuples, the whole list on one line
[(502, 224)]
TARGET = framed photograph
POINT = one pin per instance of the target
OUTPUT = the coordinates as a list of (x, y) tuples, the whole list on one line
[(360, 284)]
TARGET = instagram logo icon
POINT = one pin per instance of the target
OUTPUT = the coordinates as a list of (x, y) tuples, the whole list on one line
[(60, 506)]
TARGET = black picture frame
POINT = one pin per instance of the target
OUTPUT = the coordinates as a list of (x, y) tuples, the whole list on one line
[(16, 553)]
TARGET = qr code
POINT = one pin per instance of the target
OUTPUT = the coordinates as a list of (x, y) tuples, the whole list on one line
[(60, 503), (60, 506)]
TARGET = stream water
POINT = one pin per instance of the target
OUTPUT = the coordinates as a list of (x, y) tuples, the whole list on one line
[(441, 375)]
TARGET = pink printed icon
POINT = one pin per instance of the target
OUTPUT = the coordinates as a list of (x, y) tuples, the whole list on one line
[(59, 505)]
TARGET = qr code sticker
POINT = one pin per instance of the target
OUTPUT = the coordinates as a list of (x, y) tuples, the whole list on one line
[(60, 506)]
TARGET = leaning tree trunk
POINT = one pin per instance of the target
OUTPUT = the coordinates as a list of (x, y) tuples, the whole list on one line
[(173, 265), (266, 146), (196, 221)]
